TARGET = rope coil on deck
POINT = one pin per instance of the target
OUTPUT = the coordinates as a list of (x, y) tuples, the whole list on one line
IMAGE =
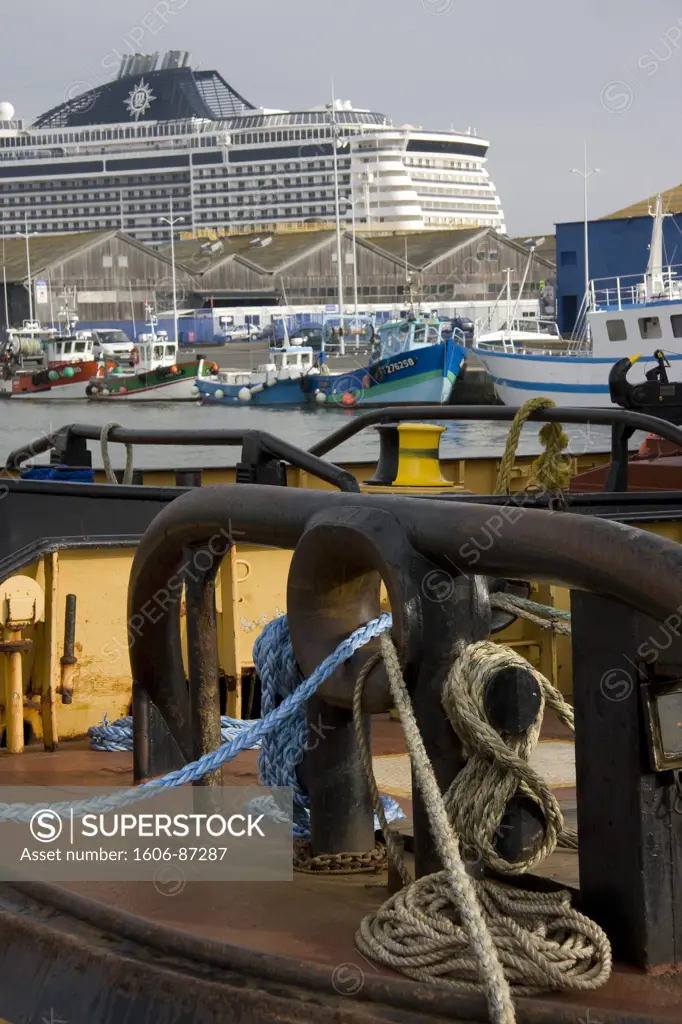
[(497, 767), (475, 935)]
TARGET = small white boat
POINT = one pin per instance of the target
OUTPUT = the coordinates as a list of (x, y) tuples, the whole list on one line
[(154, 373), (150, 372), (622, 316)]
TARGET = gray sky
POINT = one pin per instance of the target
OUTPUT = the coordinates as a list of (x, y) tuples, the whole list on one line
[(535, 78)]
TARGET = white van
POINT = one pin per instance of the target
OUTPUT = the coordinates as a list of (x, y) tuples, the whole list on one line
[(111, 344)]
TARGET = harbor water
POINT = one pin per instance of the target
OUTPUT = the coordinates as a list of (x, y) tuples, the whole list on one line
[(24, 420)]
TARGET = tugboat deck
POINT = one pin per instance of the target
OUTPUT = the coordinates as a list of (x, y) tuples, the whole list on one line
[(315, 918)]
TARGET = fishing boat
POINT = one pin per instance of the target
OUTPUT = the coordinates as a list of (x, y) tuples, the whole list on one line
[(46, 364), (470, 615), (151, 372), (622, 314), (411, 361)]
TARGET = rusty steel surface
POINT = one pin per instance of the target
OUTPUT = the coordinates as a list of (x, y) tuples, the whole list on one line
[(97, 964), (617, 561)]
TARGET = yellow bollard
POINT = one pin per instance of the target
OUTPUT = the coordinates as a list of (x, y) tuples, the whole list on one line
[(418, 463)]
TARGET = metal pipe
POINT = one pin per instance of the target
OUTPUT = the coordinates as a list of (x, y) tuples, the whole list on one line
[(68, 660), (259, 441), (14, 696)]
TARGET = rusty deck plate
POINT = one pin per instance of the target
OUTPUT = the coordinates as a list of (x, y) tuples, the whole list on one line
[(107, 953)]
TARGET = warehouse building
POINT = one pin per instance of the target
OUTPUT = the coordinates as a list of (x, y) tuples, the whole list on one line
[(108, 277), (466, 266), (618, 246), (101, 275)]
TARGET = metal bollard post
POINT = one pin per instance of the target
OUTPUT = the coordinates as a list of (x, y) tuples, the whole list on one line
[(334, 588)]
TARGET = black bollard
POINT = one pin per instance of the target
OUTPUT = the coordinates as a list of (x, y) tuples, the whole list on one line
[(340, 802), (202, 655), (629, 820)]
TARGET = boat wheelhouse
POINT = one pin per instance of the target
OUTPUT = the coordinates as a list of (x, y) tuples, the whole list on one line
[(639, 313), (152, 372)]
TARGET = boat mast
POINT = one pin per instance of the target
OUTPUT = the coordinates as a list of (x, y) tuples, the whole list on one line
[(509, 299), (339, 268), (286, 339), (654, 270), (523, 282)]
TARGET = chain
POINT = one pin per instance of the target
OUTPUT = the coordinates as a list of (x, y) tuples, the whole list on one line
[(371, 863)]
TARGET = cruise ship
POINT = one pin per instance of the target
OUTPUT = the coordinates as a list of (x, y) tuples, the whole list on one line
[(113, 156)]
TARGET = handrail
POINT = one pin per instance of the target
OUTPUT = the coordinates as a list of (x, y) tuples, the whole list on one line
[(313, 461), (262, 441), (498, 413)]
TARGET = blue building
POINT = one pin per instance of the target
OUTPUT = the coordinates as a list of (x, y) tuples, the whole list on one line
[(617, 247)]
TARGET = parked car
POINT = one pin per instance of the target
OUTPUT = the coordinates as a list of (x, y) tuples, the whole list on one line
[(465, 326), (268, 333), (241, 332), (111, 344), (311, 336)]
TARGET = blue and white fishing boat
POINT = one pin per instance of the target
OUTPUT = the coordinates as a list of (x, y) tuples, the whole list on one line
[(622, 316), (410, 361)]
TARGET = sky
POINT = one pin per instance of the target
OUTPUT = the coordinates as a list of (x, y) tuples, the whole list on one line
[(536, 79)]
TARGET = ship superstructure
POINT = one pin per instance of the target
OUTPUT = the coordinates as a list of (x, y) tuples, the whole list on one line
[(111, 158)]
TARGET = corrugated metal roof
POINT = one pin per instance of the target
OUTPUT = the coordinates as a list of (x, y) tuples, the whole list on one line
[(423, 247), (672, 203), (283, 248), (45, 253)]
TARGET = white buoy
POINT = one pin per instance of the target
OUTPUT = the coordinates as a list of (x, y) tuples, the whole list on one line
[(257, 388), (320, 398), (195, 391), (219, 393), (105, 391), (244, 395), (270, 380)]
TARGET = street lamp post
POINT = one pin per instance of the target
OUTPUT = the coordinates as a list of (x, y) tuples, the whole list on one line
[(4, 278), (351, 202), (338, 212), (26, 235), (172, 221), (585, 174)]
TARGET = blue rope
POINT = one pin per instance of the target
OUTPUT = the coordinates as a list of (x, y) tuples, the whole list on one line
[(282, 751), (118, 735), (292, 705)]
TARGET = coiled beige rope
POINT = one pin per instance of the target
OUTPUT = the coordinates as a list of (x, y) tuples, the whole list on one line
[(475, 935), (552, 468), (497, 767)]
